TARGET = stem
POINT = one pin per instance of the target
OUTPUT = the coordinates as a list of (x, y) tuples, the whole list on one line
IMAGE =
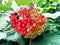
[(9, 31), (30, 43)]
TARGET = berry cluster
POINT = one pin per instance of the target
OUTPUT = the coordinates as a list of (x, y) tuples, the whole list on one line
[(28, 22)]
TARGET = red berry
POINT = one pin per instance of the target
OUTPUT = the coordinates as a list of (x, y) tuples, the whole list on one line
[(25, 32), (19, 28), (23, 25), (23, 29), (31, 8), (29, 22), (32, 29), (25, 22)]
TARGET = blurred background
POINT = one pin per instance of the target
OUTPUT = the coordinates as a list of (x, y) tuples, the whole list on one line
[(49, 8)]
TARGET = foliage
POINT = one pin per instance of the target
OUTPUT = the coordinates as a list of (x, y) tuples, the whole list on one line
[(51, 36), (5, 42), (22, 2)]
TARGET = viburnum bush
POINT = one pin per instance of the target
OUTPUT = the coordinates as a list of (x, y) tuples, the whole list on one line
[(28, 22)]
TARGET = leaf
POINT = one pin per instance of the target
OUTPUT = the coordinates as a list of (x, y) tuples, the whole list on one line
[(6, 7), (15, 37), (57, 1), (41, 3), (47, 39), (2, 35), (5, 42), (58, 7), (52, 25), (24, 2), (31, 4), (3, 20)]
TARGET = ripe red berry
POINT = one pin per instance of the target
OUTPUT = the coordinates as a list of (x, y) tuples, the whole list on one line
[(30, 22), (23, 29), (32, 29), (25, 22), (24, 32), (31, 8)]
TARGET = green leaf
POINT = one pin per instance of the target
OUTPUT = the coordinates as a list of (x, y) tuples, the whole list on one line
[(15, 37), (6, 7), (6, 42), (41, 3), (3, 20), (24, 2), (57, 1), (47, 39)]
